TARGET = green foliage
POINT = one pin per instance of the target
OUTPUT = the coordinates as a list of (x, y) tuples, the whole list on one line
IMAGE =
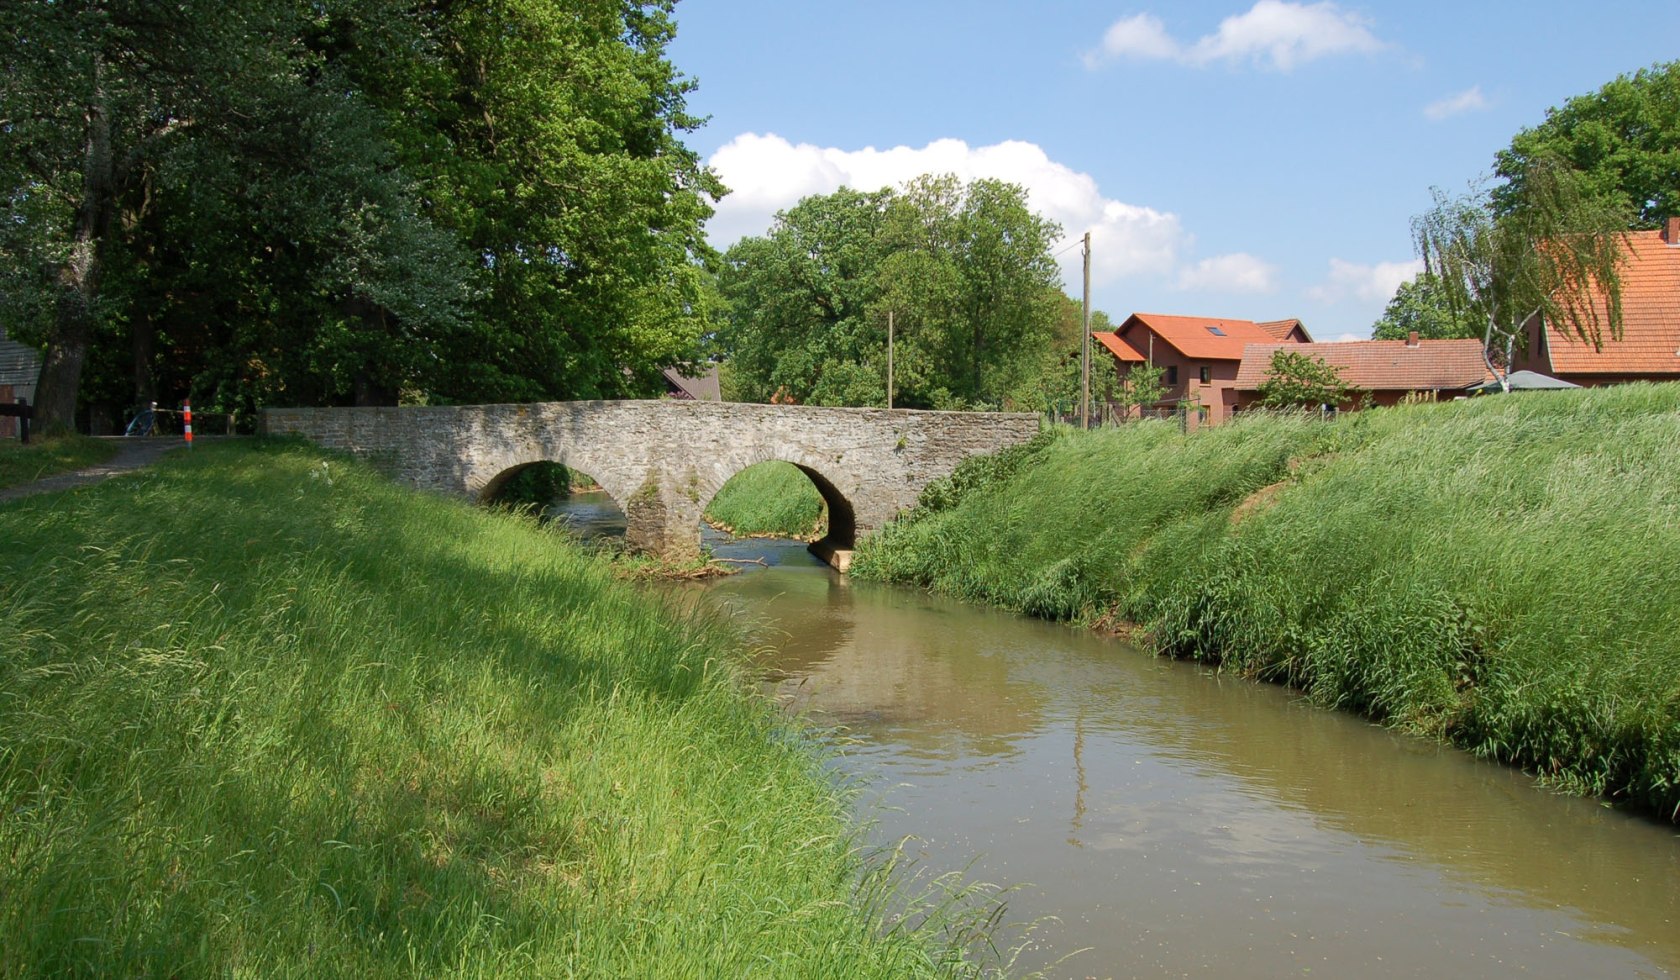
[(1441, 566), (1552, 255), (773, 498), (965, 270), (1143, 386), (266, 714), (349, 202), (1421, 305), (980, 472), (1296, 380), (1623, 139), (536, 486)]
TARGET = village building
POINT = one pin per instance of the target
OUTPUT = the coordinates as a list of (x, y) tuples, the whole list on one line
[(1649, 347), (1387, 370), (1198, 356)]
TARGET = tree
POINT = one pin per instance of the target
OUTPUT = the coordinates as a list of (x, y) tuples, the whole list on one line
[(1142, 387), (964, 269), (1624, 140), (1421, 304), (1553, 256), (1296, 380), (348, 200)]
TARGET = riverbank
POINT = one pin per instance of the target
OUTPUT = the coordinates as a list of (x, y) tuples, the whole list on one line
[(1497, 572), (266, 713)]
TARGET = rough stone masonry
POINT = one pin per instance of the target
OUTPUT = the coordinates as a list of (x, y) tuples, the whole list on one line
[(662, 461)]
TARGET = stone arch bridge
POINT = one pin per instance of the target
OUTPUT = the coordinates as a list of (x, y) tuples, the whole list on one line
[(662, 461)]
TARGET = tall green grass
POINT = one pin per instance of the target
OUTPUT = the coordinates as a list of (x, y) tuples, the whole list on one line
[(262, 713), (1499, 572), (772, 498), (46, 456)]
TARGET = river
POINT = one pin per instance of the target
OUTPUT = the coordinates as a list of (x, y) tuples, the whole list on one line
[(1153, 818)]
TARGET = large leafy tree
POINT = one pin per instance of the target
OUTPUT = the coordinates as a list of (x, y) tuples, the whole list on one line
[(1556, 255), (347, 200), (1421, 305), (963, 269), (547, 137), (1624, 141)]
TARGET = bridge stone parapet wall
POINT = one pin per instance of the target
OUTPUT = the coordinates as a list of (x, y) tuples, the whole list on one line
[(662, 461)]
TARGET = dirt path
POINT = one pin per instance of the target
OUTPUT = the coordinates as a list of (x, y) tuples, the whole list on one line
[(131, 455)]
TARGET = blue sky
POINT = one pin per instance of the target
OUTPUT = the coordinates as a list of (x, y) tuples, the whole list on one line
[(1257, 159)]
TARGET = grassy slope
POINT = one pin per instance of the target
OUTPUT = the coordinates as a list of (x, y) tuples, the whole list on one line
[(263, 713), (1500, 572), (48, 456), (770, 498)]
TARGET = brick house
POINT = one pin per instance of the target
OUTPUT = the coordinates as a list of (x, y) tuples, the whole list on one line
[(1388, 370), (1649, 348), (1199, 356)]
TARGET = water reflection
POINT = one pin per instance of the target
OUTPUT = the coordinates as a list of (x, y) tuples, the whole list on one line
[(1175, 822), (1178, 822)]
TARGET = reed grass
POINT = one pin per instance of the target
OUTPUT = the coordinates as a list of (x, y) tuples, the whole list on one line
[(46, 456), (772, 498), (1498, 572), (264, 714)]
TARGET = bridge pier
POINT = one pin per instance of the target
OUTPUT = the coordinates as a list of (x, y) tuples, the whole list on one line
[(663, 518)]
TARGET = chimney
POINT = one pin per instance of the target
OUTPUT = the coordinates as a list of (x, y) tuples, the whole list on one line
[(1412, 339), (1671, 230)]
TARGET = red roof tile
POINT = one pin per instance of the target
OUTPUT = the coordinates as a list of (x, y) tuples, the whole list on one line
[(1119, 348), (1650, 341), (1380, 365), (1280, 329), (1205, 338)]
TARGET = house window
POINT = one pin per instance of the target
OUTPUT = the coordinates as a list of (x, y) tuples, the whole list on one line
[(1207, 375), (1216, 331), (1172, 375)]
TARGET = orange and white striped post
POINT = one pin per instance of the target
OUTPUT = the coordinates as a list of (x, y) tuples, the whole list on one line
[(186, 420)]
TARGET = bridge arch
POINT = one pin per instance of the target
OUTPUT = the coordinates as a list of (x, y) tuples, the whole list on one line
[(842, 515)]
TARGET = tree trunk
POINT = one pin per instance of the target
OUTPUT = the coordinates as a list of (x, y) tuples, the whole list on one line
[(78, 278)]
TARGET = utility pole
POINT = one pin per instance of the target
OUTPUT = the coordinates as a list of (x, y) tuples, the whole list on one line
[(1085, 346), (889, 358)]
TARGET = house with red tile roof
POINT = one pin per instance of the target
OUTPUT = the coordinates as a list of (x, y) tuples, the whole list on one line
[(1388, 370), (1649, 347), (1199, 356)]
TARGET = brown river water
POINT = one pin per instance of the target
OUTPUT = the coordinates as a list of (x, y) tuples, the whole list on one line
[(1153, 818)]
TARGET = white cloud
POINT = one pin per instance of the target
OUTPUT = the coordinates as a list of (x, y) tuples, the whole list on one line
[(1273, 33), (766, 174), (1235, 273), (1365, 283), (1469, 100), (1345, 338), (1139, 36)]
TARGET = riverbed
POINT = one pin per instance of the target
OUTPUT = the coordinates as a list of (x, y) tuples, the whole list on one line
[(1152, 818)]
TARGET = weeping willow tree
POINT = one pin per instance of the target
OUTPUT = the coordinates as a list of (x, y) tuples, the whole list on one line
[(1556, 254)]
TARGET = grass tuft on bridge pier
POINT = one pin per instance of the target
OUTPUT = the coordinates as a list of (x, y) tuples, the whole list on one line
[(263, 713), (1499, 572)]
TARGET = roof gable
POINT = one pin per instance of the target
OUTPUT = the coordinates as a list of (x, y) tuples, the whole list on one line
[(1199, 337), (1381, 365)]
